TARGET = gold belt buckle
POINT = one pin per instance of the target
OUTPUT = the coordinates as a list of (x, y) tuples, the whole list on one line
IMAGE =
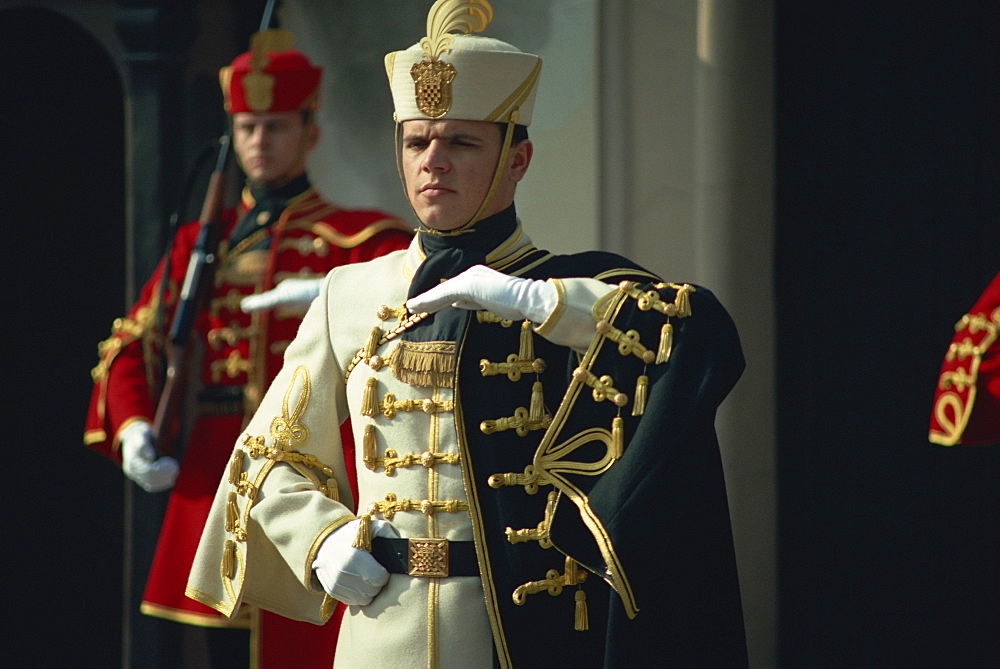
[(428, 557)]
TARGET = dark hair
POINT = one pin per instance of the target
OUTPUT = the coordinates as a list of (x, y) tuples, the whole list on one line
[(520, 133)]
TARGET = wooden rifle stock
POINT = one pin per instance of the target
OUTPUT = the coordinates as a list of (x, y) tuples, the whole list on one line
[(197, 285)]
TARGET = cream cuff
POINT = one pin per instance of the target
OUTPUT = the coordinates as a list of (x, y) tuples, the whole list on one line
[(572, 323)]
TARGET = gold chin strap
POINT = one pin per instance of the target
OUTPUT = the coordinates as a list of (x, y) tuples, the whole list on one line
[(497, 173)]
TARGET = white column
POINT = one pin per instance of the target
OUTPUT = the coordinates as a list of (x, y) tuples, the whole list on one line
[(687, 188)]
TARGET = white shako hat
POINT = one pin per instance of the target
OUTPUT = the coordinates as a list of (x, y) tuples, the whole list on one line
[(462, 76)]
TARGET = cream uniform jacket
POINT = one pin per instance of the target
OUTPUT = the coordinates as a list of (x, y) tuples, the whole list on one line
[(287, 487)]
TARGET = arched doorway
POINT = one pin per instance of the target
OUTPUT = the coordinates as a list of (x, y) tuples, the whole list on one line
[(63, 194)]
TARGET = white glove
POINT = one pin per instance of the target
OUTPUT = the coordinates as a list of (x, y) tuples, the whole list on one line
[(480, 287), (290, 292), (139, 461), (350, 574)]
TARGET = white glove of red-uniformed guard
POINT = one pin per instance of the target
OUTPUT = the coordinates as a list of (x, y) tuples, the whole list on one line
[(288, 293), (139, 461), (350, 574), (480, 287)]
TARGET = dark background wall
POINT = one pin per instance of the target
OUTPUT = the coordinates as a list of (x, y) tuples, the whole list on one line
[(64, 223), (888, 229), (91, 94)]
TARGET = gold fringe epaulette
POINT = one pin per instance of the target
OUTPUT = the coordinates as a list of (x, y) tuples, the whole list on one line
[(425, 364)]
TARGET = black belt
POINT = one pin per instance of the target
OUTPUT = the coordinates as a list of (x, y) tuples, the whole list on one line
[(221, 400), (434, 558), (220, 393)]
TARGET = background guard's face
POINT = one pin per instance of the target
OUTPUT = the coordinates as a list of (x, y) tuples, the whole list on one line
[(271, 146)]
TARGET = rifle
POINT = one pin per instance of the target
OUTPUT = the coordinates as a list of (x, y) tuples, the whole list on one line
[(197, 283)]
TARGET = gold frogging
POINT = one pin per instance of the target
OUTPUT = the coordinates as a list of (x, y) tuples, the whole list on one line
[(288, 433), (524, 420), (552, 459)]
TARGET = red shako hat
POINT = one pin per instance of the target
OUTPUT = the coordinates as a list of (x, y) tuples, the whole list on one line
[(270, 77)]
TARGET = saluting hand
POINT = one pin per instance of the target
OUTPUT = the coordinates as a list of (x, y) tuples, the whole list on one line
[(480, 287)]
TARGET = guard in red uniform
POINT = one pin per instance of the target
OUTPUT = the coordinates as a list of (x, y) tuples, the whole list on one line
[(282, 229), (967, 399)]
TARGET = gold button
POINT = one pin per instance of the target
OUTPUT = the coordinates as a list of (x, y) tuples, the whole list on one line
[(263, 217)]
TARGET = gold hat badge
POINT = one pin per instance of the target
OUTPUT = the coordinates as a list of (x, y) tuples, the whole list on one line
[(258, 86), (431, 77)]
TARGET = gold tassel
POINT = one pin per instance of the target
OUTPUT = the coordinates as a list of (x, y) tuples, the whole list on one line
[(373, 340), (369, 452), (617, 437), (332, 490), (229, 559), (369, 400), (527, 350), (236, 467), (364, 538), (666, 343), (641, 394), (537, 409), (232, 513), (683, 300), (581, 622)]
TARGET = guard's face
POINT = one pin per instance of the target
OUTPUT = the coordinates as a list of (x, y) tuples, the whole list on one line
[(272, 146), (448, 166)]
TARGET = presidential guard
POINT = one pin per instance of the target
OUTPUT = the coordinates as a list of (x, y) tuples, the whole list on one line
[(538, 480), (281, 234)]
